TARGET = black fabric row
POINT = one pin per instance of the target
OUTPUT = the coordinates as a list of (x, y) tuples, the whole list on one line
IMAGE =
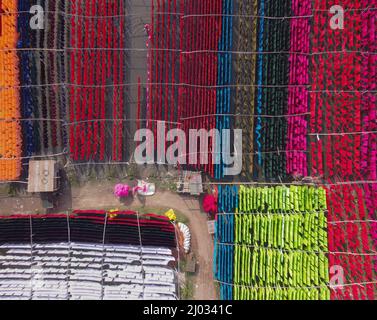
[(51, 230), (273, 101)]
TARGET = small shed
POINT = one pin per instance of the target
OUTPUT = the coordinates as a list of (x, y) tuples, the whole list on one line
[(190, 182), (43, 176)]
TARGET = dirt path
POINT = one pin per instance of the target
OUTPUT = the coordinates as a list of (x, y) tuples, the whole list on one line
[(100, 196)]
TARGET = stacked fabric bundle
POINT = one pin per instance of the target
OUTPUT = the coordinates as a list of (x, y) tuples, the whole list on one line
[(272, 244), (10, 131), (97, 24)]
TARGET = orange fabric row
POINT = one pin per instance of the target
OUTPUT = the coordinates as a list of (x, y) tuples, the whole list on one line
[(10, 129)]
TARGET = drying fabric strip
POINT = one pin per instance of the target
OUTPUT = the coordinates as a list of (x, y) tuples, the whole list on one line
[(298, 97), (350, 156), (88, 255), (26, 93), (122, 227), (261, 13), (42, 64), (164, 65), (10, 129), (273, 91), (224, 93), (205, 75), (336, 156), (97, 78), (198, 100), (81, 271), (274, 100), (352, 237), (271, 243), (245, 73), (369, 107)]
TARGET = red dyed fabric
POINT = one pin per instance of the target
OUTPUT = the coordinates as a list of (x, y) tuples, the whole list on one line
[(200, 68), (163, 57), (340, 104), (210, 204), (174, 59), (97, 77)]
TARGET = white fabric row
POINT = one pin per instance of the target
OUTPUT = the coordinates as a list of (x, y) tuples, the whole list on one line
[(86, 271)]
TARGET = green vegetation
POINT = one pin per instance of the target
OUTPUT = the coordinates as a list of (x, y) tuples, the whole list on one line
[(187, 290)]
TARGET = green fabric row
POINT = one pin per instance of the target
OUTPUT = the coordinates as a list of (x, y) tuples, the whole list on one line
[(245, 293), (271, 267), (304, 231), (282, 199)]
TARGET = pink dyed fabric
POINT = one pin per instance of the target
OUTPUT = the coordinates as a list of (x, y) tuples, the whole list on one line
[(121, 190), (369, 103), (298, 97)]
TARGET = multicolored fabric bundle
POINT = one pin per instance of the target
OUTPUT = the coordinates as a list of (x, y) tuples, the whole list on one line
[(42, 77), (272, 92), (205, 73), (271, 75), (272, 244), (10, 130)]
